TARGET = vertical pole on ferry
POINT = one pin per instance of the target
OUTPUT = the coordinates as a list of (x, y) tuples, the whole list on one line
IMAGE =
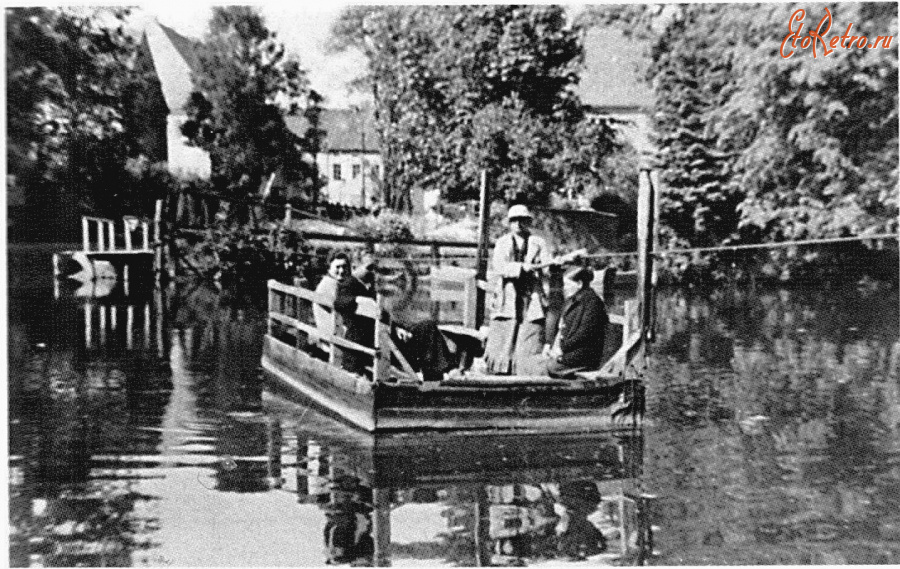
[(381, 370), (646, 216), (484, 219)]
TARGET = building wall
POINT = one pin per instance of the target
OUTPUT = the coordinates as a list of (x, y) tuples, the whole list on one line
[(346, 185), (186, 161)]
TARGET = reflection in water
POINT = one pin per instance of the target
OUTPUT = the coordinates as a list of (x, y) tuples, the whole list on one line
[(466, 499), (140, 434), (777, 422)]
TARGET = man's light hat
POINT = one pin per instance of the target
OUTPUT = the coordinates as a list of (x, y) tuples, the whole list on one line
[(518, 211)]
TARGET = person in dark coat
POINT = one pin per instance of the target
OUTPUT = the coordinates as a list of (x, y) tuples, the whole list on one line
[(420, 342), (579, 342)]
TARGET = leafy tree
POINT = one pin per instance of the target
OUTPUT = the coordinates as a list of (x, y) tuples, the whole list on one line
[(760, 148), (245, 85), (70, 76), (459, 89)]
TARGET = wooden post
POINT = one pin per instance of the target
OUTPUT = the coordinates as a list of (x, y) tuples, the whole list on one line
[(287, 215), (484, 219), (145, 230), (381, 369), (381, 526), (147, 326), (435, 262), (274, 452), (88, 324), (482, 529), (470, 302), (269, 311), (333, 353), (157, 241), (654, 240), (101, 246), (102, 326), (645, 219), (127, 236), (129, 327), (111, 232), (159, 301), (85, 235)]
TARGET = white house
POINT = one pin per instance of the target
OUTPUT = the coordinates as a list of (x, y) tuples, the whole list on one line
[(350, 158)]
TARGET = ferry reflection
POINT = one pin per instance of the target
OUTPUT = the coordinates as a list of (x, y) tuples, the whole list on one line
[(468, 499)]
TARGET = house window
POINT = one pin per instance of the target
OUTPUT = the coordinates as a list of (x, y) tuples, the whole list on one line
[(375, 171), (336, 172), (356, 170)]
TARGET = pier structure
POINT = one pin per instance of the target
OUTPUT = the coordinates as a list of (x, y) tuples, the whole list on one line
[(110, 250)]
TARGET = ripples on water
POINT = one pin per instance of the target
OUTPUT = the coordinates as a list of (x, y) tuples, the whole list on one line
[(772, 437)]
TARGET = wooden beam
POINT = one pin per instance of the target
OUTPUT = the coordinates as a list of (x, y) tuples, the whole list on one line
[(313, 331), (404, 363), (364, 306)]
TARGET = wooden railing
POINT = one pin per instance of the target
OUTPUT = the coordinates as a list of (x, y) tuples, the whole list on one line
[(285, 309), (105, 234)]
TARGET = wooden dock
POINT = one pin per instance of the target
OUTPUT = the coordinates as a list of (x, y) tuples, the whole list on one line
[(110, 251)]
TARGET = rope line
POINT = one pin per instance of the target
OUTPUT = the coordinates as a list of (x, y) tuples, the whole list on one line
[(821, 241)]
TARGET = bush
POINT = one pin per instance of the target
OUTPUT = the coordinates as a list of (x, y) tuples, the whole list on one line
[(385, 226)]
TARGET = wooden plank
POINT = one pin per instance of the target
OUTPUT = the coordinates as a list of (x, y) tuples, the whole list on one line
[(510, 381), (447, 295), (339, 391), (313, 331), (460, 330), (364, 306)]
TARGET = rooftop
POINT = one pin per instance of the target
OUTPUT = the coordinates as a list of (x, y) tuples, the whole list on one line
[(346, 130)]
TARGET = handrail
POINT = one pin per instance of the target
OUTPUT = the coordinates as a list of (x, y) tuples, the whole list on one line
[(106, 234), (367, 307), (313, 331), (364, 306)]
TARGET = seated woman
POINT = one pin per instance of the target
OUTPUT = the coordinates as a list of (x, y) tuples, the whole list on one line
[(421, 343), (341, 288), (579, 342)]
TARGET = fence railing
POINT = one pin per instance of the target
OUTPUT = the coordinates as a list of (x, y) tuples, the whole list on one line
[(285, 309), (100, 235)]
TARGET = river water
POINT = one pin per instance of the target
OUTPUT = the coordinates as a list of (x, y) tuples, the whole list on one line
[(141, 433)]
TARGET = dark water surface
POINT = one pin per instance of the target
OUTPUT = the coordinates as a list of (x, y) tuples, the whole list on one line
[(141, 433)]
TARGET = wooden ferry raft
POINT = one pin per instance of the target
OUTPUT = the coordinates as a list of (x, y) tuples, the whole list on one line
[(395, 398)]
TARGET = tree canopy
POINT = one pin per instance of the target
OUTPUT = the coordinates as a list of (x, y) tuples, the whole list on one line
[(459, 89), (246, 83), (71, 75), (755, 147)]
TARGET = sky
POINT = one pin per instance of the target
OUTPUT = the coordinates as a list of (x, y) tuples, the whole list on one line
[(304, 29), (302, 26)]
